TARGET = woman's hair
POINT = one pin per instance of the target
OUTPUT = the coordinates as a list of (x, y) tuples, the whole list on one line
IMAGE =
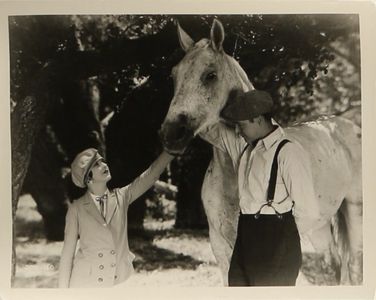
[(89, 176)]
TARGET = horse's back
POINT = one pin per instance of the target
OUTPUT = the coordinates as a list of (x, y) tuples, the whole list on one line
[(334, 147)]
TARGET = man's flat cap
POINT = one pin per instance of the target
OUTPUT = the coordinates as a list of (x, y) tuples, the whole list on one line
[(247, 105)]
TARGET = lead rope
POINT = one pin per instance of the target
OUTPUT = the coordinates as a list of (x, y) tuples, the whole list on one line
[(272, 182)]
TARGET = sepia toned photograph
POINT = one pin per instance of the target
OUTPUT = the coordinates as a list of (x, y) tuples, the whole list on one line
[(147, 150), (150, 150)]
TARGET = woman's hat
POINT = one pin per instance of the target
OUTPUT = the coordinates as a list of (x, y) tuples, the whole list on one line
[(247, 105), (82, 165)]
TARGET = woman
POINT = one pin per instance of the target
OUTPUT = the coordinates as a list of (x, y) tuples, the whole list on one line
[(98, 220)]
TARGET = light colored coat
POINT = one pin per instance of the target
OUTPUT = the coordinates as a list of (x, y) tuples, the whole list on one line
[(103, 258)]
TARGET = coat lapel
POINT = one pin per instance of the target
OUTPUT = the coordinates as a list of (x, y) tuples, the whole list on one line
[(111, 206), (90, 207)]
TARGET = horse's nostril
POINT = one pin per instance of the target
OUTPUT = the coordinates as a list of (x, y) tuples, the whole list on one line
[(183, 119), (181, 132), (176, 133)]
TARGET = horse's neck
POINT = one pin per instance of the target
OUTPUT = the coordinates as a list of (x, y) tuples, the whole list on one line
[(239, 73)]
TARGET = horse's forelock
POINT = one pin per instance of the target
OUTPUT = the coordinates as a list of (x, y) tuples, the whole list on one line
[(203, 43), (195, 51)]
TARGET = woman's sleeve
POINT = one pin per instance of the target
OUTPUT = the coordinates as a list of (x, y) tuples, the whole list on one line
[(69, 248), (145, 181)]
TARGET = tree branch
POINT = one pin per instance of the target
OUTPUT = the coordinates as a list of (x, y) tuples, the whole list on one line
[(115, 55)]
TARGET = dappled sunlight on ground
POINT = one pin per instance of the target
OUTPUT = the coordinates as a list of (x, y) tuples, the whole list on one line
[(202, 276), (197, 248), (164, 256)]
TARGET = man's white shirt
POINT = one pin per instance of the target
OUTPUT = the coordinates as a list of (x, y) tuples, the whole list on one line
[(294, 185)]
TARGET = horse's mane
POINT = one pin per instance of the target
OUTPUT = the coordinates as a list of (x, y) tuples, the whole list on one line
[(238, 70)]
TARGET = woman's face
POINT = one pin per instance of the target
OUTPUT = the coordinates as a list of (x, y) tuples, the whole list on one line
[(100, 171)]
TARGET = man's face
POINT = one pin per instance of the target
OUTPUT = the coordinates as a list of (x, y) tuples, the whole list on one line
[(248, 129), (100, 171)]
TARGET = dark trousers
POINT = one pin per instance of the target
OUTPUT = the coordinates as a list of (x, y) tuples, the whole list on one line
[(267, 251)]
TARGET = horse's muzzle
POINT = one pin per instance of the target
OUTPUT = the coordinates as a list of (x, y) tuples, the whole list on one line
[(176, 135)]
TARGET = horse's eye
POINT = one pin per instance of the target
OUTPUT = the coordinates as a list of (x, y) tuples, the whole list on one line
[(211, 76)]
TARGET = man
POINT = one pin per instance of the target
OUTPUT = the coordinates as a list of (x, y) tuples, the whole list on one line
[(267, 250)]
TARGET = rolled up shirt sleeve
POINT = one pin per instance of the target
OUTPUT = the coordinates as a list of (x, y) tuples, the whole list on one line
[(146, 180), (69, 247), (224, 138), (297, 176)]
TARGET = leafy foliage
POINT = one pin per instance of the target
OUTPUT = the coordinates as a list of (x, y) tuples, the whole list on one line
[(309, 63)]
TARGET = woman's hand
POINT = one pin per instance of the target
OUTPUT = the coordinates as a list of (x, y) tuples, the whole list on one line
[(175, 152)]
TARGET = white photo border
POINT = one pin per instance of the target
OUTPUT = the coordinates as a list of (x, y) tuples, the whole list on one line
[(367, 14)]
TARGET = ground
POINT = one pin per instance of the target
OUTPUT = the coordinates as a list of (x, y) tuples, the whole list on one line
[(164, 256)]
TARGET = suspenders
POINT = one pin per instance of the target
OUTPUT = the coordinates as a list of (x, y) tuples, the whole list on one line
[(272, 181)]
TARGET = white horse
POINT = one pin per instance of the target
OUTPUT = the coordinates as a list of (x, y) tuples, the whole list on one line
[(203, 80)]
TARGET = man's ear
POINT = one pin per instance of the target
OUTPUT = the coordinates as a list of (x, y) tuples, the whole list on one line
[(255, 120)]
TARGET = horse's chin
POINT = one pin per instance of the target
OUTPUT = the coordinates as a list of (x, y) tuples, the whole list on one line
[(177, 147), (175, 144)]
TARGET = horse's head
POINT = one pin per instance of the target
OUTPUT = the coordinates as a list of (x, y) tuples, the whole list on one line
[(203, 80)]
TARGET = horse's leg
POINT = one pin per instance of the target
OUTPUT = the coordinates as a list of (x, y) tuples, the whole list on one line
[(214, 210), (329, 260), (220, 232), (353, 212), (222, 250), (219, 195)]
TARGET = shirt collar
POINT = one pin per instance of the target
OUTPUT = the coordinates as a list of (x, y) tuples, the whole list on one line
[(94, 197), (272, 137)]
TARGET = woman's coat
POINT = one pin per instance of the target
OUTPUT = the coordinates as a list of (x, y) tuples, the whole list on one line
[(103, 257)]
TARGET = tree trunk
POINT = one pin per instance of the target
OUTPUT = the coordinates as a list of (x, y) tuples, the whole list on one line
[(44, 181), (26, 120)]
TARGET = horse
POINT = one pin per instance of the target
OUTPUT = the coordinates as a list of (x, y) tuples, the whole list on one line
[(203, 80)]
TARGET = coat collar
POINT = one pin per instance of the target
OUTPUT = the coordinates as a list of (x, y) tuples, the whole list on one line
[(90, 207)]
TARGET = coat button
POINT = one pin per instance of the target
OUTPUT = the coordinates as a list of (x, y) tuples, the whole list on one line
[(100, 279), (100, 254), (115, 276), (112, 251), (101, 267), (113, 265)]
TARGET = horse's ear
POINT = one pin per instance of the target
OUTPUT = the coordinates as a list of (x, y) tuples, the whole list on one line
[(217, 35), (184, 39)]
